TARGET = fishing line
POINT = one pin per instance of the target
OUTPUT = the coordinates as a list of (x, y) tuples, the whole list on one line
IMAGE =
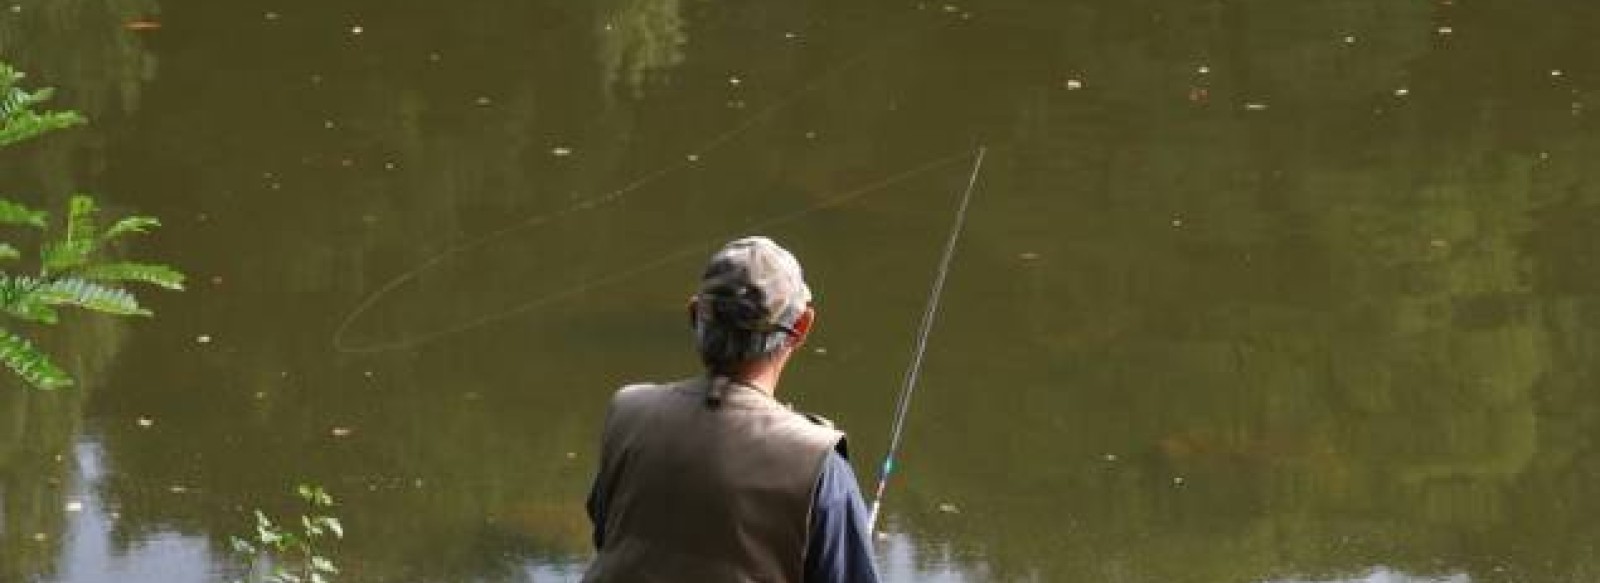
[(675, 255), (903, 404), (715, 143)]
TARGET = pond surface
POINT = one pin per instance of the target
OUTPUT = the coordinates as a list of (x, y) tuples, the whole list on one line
[(1251, 291)]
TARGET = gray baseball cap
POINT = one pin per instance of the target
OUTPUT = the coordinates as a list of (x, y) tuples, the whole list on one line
[(753, 284)]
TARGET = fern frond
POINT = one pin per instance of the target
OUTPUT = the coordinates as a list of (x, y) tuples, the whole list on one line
[(156, 274), (30, 363), (130, 225), (79, 243), (64, 255), (15, 214), (18, 120), (31, 308), (80, 219), (19, 298), (88, 295), (28, 125)]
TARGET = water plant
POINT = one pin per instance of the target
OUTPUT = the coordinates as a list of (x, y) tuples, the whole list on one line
[(277, 553), (72, 268)]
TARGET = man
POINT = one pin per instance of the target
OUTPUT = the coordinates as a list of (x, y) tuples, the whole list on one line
[(710, 479)]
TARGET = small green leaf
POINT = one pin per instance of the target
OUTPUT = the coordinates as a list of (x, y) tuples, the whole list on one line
[(160, 275), (128, 225), (30, 363), (323, 564), (15, 214), (334, 525), (91, 296)]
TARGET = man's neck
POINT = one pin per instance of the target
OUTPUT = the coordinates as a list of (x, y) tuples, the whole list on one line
[(761, 375)]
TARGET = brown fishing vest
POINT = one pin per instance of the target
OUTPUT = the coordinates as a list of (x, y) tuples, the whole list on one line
[(706, 494)]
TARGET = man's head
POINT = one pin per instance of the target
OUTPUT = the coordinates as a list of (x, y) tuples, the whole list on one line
[(753, 305)]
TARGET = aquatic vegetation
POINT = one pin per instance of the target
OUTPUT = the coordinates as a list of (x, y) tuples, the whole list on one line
[(280, 554), (71, 270)]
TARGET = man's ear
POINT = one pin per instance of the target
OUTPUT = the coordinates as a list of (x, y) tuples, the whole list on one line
[(802, 326)]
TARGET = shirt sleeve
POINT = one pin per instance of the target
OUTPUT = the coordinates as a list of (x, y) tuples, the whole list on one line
[(595, 505), (839, 550)]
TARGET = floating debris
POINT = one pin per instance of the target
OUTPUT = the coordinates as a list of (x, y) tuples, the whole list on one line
[(822, 350), (145, 422), (38, 537), (572, 455), (389, 166), (1438, 243), (1178, 481), (341, 431), (434, 57), (178, 489), (328, 124), (949, 508), (1255, 106), (16, 8), (1203, 70), (1445, 31), (560, 151), (1350, 39), (1028, 256), (812, 135), (790, 35), (1074, 84), (74, 506), (142, 25), (735, 81), (1402, 92), (271, 16), (482, 101), (693, 157), (1557, 72), (357, 30), (1110, 457), (203, 339), (1177, 222)]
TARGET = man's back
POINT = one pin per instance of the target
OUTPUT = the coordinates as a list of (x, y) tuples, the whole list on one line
[(705, 489)]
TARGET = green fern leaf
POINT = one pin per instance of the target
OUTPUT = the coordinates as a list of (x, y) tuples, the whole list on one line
[(80, 219), (130, 225), (15, 214), (73, 291), (64, 255), (19, 299), (26, 125), (74, 250), (160, 275), (18, 120), (30, 363)]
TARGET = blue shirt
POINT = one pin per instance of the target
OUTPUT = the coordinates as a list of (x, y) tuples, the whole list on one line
[(839, 550)]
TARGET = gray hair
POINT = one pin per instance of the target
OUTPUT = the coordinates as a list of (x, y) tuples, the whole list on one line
[(724, 337)]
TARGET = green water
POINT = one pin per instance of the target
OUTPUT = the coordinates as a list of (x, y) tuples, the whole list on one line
[(1251, 291)]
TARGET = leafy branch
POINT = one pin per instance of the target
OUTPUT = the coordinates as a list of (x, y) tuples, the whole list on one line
[(71, 270), (277, 553)]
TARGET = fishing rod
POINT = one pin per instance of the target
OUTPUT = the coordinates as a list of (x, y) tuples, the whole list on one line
[(904, 402)]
